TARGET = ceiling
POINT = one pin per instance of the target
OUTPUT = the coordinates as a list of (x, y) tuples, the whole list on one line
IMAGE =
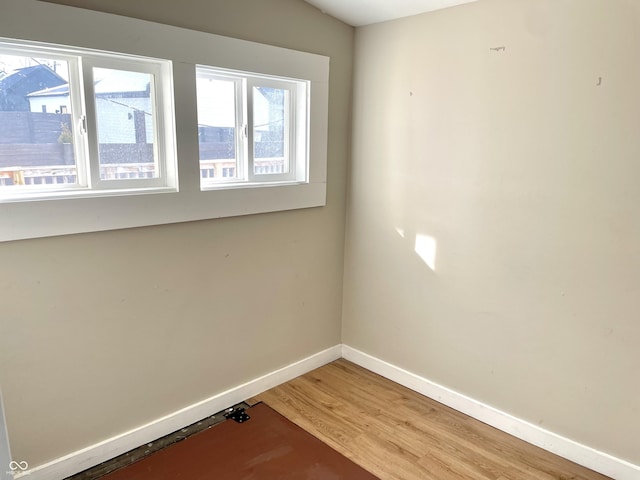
[(364, 12)]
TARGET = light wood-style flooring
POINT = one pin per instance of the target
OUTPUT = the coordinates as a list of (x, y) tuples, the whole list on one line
[(398, 434)]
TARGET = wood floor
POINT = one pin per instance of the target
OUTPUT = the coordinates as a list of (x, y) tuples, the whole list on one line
[(398, 434)]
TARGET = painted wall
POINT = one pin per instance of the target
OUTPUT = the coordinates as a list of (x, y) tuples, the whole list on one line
[(104, 332), (493, 228)]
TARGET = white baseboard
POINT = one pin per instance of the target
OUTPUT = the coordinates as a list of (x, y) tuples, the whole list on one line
[(112, 447), (581, 454)]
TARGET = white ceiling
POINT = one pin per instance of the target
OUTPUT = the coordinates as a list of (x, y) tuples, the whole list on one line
[(365, 12)]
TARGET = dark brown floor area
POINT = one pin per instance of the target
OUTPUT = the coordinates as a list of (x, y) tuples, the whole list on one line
[(268, 446), (143, 451)]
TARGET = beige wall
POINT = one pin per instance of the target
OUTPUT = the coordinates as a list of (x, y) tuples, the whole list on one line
[(526, 175), (104, 332)]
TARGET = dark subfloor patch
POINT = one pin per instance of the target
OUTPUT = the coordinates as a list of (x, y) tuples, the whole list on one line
[(265, 447), (143, 451)]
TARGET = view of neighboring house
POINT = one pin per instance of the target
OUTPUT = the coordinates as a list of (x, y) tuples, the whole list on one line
[(36, 122), (29, 140), (123, 105), (15, 86), (18, 124), (36, 119), (50, 100)]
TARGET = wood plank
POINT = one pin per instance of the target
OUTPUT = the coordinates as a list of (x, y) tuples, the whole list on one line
[(397, 434)]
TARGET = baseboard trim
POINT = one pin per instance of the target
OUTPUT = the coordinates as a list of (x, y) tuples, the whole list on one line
[(95, 454), (581, 454)]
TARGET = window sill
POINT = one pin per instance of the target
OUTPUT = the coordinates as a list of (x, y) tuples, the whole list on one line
[(242, 185), (80, 192), (99, 213)]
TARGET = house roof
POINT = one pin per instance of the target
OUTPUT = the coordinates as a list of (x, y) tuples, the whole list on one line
[(20, 74), (60, 90), (115, 82)]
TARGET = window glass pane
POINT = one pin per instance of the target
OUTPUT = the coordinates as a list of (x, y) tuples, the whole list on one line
[(217, 127), (125, 123), (270, 130), (36, 139)]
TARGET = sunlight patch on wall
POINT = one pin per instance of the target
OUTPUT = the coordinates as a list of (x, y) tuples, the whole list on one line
[(426, 248), (400, 231)]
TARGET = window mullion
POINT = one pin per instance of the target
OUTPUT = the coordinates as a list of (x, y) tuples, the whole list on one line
[(90, 124), (78, 120), (289, 136), (242, 129), (250, 174), (159, 154)]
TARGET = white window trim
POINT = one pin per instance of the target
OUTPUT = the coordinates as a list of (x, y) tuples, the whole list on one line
[(164, 148), (291, 139), (297, 131), (240, 140), (51, 23), (83, 115)]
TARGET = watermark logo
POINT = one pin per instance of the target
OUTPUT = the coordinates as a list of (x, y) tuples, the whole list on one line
[(17, 469), (18, 466)]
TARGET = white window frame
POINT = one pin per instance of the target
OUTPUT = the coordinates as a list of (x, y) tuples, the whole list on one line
[(83, 116), (29, 49), (296, 129), (163, 135), (76, 28), (240, 139)]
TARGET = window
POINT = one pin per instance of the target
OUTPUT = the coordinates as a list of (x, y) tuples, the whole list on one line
[(107, 134), (112, 148), (252, 128)]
